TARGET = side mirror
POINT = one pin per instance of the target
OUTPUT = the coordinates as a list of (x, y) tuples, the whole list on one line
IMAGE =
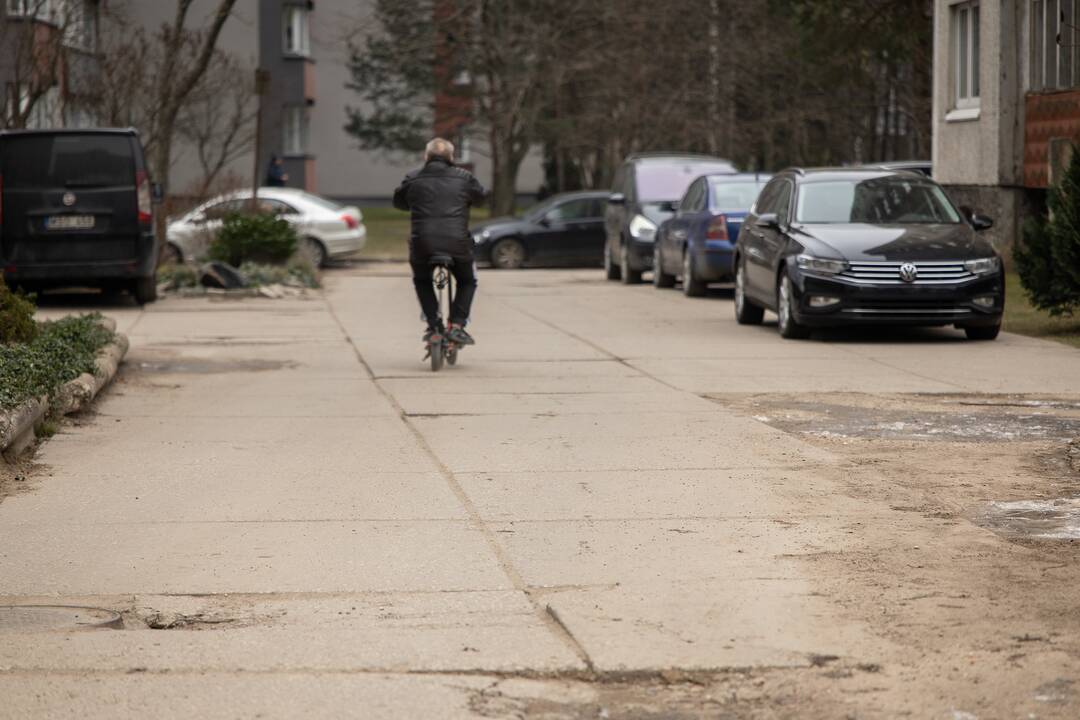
[(670, 206), (198, 220), (981, 222), (616, 199), (544, 221), (768, 221), (157, 193)]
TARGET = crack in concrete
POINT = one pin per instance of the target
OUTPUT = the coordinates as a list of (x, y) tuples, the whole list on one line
[(502, 558)]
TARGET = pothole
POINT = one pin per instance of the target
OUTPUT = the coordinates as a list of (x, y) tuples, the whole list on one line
[(942, 419), (44, 618), (1057, 519)]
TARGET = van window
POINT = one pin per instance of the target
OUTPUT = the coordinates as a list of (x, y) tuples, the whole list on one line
[(56, 161)]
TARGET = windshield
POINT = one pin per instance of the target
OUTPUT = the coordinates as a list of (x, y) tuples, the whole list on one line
[(658, 182), (735, 196), (52, 161), (879, 200)]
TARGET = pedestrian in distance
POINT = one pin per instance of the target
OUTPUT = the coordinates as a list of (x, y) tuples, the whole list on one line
[(276, 175), (439, 197)]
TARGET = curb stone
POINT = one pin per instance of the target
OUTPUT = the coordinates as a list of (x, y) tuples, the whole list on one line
[(17, 426)]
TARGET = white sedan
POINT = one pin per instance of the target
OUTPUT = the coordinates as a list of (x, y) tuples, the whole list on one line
[(326, 229)]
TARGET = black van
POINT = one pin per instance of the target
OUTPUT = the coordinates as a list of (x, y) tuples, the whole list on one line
[(76, 208)]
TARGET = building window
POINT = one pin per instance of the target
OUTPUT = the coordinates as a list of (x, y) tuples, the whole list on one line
[(1055, 44), (295, 130), (79, 20), (965, 31), (41, 9), (297, 40)]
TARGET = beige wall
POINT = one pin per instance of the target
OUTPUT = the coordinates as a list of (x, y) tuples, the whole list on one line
[(986, 150)]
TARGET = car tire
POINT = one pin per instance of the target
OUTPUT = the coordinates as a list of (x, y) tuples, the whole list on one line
[(508, 254), (314, 251), (611, 270), (660, 279), (789, 327), (746, 312), (145, 290), (171, 254), (692, 285), (983, 332), (627, 273)]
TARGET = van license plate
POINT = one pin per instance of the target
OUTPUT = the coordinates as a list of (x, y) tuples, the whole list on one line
[(69, 222)]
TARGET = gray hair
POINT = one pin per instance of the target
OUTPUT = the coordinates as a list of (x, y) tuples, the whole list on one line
[(439, 148)]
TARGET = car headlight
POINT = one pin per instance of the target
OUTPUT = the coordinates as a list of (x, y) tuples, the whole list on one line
[(642, 228), (479, 237), (984, 266), (824, 266)]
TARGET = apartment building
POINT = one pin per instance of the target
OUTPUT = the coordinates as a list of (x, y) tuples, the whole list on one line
[(303, 45), (47, 60), (1006, 102)]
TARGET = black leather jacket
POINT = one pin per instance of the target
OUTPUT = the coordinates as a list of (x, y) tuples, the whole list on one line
[(439, 196)]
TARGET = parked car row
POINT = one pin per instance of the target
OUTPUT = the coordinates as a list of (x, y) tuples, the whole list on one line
[(872, 245)]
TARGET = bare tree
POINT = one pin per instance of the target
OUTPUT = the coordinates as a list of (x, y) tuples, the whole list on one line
[(218, 121), (176, 80)]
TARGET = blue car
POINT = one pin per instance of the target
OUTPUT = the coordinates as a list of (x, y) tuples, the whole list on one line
[(697, 244)]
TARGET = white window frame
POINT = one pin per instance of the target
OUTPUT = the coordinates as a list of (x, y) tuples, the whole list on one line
[(294, 131), (40, 9), (296, 30), (965, 52)]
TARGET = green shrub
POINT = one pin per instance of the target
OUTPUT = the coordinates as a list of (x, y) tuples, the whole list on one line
[(1048, 261), (62, 351), (16, 316), (254, 238)]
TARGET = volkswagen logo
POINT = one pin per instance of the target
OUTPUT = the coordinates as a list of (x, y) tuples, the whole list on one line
[(69, 199), (909, 273)]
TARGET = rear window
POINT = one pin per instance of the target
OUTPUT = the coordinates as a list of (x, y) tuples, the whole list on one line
[(322, 202), (735, 196), (658, 182), (52, 161)]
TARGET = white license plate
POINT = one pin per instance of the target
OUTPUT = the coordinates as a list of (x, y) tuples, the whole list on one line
[(69, 222)]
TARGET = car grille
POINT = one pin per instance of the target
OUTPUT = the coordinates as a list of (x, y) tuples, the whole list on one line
[(941, 272)]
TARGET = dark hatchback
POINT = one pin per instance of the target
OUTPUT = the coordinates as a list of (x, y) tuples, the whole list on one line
[(644, 190), (76, 208), (837, 247), (565, 229)]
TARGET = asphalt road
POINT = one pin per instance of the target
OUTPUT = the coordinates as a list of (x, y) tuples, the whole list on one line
[(620, 504)]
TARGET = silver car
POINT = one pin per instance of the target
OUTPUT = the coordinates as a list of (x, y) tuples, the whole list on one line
[(326, 229)]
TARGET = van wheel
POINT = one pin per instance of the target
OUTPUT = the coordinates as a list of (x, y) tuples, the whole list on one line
[(145, 290)]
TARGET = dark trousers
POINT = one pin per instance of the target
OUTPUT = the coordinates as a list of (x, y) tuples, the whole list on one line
[(464, 271)]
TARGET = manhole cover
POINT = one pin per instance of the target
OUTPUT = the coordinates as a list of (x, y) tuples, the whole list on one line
[(38, 618)]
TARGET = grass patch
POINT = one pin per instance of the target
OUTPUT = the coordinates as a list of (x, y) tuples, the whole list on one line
[(388, 232), (62, 351), (1022, 318)]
